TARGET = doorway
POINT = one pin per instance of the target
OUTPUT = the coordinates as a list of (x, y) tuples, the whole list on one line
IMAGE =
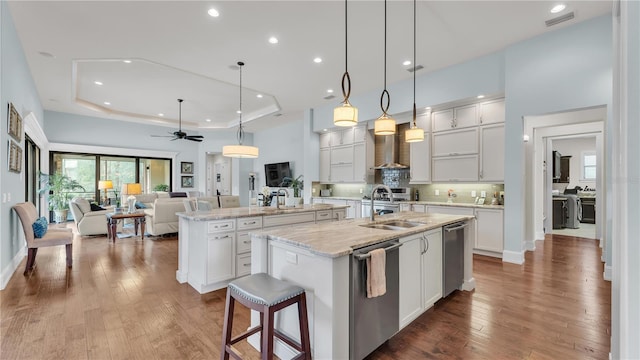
[(540, 132), (218, 174)]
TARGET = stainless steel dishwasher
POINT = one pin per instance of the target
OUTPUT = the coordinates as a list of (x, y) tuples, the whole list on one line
[(372, 321), (453, 257)]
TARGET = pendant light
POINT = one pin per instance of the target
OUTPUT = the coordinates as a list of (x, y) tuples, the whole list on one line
[(240, 151), (385, 124), (345, 114), (414, 134)]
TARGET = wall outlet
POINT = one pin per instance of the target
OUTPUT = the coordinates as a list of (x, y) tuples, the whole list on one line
[(437, 192), (483, 194), (473, 193), (291, 258), (9, 197), (360, 191), (313, 190)]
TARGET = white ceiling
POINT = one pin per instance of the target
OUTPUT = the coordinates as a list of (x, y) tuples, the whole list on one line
[(179, 51)]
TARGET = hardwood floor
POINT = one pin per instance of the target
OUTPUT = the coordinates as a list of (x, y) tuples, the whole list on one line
[(122, 302)]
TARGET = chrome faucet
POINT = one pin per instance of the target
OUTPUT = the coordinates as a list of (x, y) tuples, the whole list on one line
[(373, 192), (286, 192)]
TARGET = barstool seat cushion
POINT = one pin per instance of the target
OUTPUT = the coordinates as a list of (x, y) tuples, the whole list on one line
[(264, 289)]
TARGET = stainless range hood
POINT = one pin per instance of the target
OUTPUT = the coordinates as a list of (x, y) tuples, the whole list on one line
[(390, 151)]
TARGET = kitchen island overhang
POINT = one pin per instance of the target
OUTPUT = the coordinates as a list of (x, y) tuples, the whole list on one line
[(317, 257)]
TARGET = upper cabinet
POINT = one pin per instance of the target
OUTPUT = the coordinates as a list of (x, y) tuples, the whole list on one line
[(492, 112), (346, 155), (420, 161), (468, 143)]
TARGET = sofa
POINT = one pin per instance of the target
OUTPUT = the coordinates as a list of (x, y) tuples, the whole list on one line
[(89, 222), (160, 209)]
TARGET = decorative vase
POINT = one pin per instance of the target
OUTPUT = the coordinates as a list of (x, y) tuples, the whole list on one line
[(60, 216)]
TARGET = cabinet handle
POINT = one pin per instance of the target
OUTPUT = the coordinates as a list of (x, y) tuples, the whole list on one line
[(480, 174), (246, 265), (480, 119), (249, 223), (246, 242), (221, 226), (323, 214), (221, 237)]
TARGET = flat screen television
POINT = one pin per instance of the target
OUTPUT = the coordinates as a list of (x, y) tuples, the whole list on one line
[(275, 173)]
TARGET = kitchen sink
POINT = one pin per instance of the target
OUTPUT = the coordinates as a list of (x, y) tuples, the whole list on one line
[(393, 225)]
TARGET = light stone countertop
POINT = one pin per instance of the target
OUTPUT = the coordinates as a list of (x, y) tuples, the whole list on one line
[(240, 212), (338, 197), (340, 238), (455, 204)]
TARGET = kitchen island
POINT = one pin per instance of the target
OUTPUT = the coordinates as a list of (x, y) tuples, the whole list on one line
[(318, 257), (214, 246)]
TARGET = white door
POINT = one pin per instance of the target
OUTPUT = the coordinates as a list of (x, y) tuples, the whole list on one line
[(492, 153), (220, 177)]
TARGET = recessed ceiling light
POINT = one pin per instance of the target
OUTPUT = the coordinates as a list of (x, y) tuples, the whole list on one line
[(107, 103), (97, 82), (556, 9), (428, 108), (259, 96), (126, 61), (317, 60), (330, 91), (406, 63), (325, 129), (207, 120), (213, 12), (160, 114), (273, 40), (238, 112), (480, 96)]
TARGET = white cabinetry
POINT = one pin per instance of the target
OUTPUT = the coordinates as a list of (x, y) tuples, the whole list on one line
[(420, 274), (420, 161), (459, 117), (492, 112), (432, 267), (348, 157), (442, 120), (405, 207), (451, 210), (220, 245), (489, 231), (456, 142), (492, 153), (455, 168)]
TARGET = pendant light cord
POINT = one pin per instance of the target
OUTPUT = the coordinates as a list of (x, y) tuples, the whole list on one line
[(240, 130), (414, 64), (346, 92), (385, 107)]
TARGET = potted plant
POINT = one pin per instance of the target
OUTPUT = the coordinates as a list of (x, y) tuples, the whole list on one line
[(296, 184), (58, 187)]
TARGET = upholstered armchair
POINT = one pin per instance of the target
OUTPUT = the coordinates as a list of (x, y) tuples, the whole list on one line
[(89, 222)]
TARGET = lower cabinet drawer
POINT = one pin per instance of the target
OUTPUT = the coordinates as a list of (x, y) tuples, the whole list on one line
[(218, 226), (243, 243), (323, 215), (243, 265)]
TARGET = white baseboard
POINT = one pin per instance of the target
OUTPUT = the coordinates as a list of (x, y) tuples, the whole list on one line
[(539, 235), (514, 257), (530, 245), (469, 285), (608, 272), (7, 273), (182, 277)]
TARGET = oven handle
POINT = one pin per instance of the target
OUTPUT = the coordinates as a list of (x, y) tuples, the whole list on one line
[(367, 255)]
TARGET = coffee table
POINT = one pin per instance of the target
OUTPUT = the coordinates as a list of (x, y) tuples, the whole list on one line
[(112, 223)]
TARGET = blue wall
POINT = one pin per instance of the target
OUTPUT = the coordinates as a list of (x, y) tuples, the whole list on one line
[(18, 88)]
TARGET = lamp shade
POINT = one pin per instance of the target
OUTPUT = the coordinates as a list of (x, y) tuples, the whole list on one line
[(105, 184), (131, 189), (345, 115), (414, 135), (384, 125), (240, 151)]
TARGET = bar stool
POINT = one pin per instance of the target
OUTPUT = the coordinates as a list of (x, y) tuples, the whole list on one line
[(267, 295)]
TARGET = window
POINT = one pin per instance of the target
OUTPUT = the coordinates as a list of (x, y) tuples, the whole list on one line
[(589, 165)]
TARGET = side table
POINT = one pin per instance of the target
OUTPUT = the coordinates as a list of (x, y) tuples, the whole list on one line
[(112, 223)]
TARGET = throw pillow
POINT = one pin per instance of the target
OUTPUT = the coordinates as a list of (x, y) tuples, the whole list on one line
[(40, 227), (177, 194), (95, 207), (140, 205)]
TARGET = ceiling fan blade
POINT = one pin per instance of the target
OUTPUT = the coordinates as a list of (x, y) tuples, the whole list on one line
[(161, 135), (197, 138)]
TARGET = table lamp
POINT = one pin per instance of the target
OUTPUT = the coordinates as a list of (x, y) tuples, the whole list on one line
[(105, 185), (131, 189)]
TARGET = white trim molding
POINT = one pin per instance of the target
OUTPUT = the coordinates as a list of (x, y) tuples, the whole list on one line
[(8, 271), (530, 245), (513, 257), (608, 272), (76, 148)]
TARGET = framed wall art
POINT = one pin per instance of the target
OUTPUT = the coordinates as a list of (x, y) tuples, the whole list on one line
[(14, 123), (186, 167), (15, 157), (187, 181)]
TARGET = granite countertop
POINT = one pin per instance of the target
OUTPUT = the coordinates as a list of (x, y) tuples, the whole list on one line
[(240, 212), (338, 197), (340, 238), (455, 204)]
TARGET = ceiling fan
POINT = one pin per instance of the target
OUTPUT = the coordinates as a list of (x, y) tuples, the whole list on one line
[(181, 134)]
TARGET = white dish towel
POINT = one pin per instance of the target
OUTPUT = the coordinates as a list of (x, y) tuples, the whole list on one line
[(376, 278)]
